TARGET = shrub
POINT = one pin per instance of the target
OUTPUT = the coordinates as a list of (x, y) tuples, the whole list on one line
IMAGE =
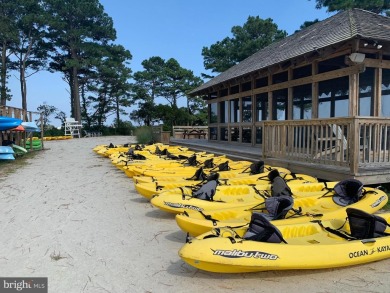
[(144, 135)]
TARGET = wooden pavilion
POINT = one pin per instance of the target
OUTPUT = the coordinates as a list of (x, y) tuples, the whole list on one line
[(316, 102)]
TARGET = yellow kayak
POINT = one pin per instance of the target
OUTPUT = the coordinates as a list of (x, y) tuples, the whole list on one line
[(201, 174), (319, 207), (232, 166), (181, 199), (149, 189), (274, 246), (187, 166)]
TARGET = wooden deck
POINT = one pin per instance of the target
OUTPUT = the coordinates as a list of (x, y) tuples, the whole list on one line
[(329, 149)]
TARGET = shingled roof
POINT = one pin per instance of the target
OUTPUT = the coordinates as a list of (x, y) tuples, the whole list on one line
[(346, 25)]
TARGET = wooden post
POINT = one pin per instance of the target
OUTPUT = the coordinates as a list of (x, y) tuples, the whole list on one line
[(41, 119), (354, 128), (353, 94), (378, 93)]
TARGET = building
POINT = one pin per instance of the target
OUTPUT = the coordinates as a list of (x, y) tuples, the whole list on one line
[(316, 102)]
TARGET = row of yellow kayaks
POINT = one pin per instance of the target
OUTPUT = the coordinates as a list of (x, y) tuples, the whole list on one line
[(242, 216)]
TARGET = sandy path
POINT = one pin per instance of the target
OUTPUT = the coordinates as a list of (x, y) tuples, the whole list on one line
[(73, 217)]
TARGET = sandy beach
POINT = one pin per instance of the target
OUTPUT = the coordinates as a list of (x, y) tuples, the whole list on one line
[(73, 217)]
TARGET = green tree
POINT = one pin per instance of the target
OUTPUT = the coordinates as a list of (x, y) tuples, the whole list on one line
[(146, 88), (376, 6), (31, 51), (9, 10), (46, 111), (76, 26), (60, 115), (177, 81), (254, 35), (108, 85), (161, 79)]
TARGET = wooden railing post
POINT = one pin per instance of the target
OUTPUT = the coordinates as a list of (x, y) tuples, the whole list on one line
[(283, 139), (355, 148)]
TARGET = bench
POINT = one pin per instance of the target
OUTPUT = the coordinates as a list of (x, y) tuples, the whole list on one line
[(181, 132), (195, 133)]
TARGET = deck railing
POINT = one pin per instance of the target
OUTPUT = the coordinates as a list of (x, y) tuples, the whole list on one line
[(18, 113), (351, 142)]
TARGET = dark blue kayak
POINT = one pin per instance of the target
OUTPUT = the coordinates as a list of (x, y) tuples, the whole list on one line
[(7, 123)]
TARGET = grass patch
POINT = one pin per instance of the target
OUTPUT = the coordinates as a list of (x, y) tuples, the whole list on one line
[(10, 166)]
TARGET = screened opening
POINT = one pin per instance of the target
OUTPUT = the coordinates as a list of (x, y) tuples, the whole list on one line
[(333, 97), (223, 93), (246, 135), (246, 86), (234, 89), (234, 134), (213, 114), (213, 95), (279, 105), (224, 134), (366, 92), (261, 82), (302, 102), (332, 64), (213, 133), (301, 72), (262, 107), (223, 112), (280, 77), (247, 109), (235, 110), (385, 104), (259, 135)]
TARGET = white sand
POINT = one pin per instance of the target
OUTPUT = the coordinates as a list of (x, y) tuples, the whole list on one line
[(71, 203)]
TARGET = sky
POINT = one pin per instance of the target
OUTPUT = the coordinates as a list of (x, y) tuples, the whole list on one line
[(176, 29)]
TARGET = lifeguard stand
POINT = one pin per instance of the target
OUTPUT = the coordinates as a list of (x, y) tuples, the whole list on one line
[(72, 127)]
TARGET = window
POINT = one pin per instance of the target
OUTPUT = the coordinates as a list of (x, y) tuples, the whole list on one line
[(246, 109), (385, 105), (223, 112), (213, 114), (302, 102), (234, 110), (366, 92), (262, 107), (333, 97), (279, 105)]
